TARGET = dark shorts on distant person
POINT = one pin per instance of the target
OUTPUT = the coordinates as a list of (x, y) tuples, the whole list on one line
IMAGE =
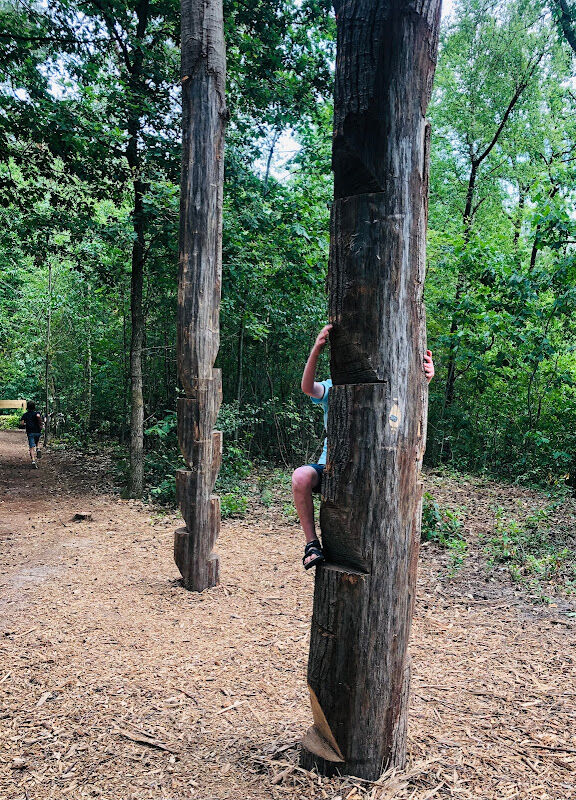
[(320, 471), (33, 439)]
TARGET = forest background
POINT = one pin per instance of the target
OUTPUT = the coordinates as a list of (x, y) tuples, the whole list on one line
[(89, 201)]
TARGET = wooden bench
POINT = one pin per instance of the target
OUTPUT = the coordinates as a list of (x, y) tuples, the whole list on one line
[(13, 404)]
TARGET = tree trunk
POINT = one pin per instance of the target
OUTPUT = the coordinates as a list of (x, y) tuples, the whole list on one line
[(88, 376), (48, 363), (566, 19), (518, 223), (239, 367), (167, 381), (240, 361), (453, 347), (125, 377), (136, 481), (200, 274), (358, 670), (134, 127), (467, 218)]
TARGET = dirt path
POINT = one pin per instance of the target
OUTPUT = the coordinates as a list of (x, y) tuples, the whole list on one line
[(117, 684)]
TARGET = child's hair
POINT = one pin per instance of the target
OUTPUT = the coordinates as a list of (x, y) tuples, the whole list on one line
[(30, 405)]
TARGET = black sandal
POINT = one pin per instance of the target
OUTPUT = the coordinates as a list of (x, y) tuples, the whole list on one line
[(313, 549)]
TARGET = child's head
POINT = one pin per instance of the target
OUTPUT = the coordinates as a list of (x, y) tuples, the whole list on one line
[(31, 405)]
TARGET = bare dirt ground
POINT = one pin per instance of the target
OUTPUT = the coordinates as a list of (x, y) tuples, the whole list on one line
[(117, 684)]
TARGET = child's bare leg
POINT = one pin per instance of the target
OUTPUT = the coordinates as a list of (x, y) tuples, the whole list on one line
[(304, 479)]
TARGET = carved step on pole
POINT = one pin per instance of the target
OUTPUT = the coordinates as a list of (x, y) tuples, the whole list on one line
[(358, 669), (201, 447), (204, 117)]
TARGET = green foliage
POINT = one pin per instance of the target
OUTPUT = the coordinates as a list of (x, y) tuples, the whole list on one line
[(66, 201), (289, 512), (236, 468), (164, 492), (164, 427), (500, 296), (162, 458), (532, 550), (233, 480), (443, 526), (266, 498), (8, 421), (440, 525), (233, 504)]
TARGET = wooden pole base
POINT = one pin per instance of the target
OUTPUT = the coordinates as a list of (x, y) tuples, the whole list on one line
[(201, 447), (314, 763), (194, 578), (364, 593)]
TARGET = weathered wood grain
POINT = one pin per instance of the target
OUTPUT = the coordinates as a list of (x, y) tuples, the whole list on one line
[(385, 61), (204, 117), (371, 489), (217, 444), (358, 669), (375, 282), (194, 552), (196, 419)]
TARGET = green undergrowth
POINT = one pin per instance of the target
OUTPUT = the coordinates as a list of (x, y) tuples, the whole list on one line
[(234, 483), (243, 489), (537, 551), (10, 421), (444, 527)]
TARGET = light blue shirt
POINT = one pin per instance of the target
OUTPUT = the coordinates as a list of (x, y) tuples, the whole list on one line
[(323, 401)]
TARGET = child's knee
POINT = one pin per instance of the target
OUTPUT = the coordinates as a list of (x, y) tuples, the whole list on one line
[(301, 481)]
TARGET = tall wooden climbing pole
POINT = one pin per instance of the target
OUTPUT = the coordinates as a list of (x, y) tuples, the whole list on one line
[(204, 118), (358, 670)]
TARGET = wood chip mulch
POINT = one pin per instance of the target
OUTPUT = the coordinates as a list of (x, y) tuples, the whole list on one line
[(117, 684)]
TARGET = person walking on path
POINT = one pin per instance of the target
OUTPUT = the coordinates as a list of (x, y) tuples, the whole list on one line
[(307, 480), (33, 422)]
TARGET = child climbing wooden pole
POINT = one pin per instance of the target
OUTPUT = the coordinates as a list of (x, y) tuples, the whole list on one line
[(358, 669)]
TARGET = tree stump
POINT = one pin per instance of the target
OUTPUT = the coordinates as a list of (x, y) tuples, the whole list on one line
[(82, 516), (358, 669)]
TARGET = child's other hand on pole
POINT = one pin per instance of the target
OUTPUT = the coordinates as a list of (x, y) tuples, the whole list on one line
[(428, 365)]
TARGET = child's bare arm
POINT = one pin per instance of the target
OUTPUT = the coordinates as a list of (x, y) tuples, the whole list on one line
[(308, 383)]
